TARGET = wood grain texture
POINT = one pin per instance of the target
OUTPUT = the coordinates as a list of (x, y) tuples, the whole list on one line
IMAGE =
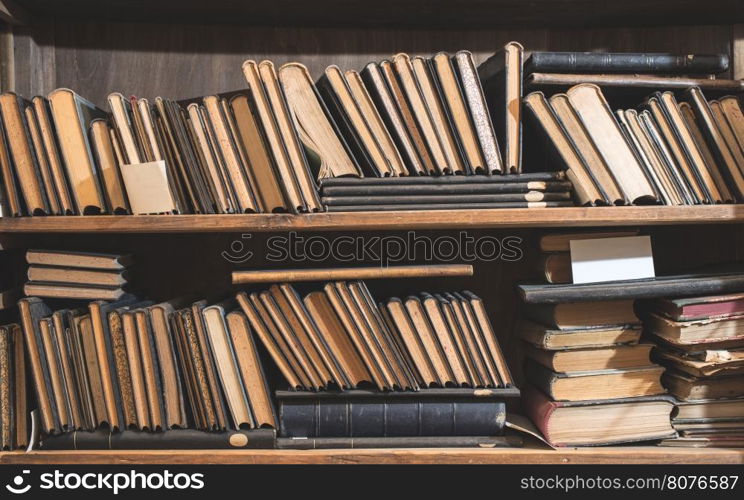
[(610, 455)]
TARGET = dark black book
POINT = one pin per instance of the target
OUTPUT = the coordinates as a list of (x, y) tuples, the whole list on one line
[(626, 62), (450, 206), (437, 199), (447, 189), (400, 442), (443, 180)]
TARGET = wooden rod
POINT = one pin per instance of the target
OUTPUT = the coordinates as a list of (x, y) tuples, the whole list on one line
[(350, 273)]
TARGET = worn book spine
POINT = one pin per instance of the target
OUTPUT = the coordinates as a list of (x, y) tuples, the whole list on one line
[(176, 439), (451, 206), (352, 273), (480, 188), (444, 180), (398, 417), (446, 199), (632, 81), (626, 62), (399, 442)]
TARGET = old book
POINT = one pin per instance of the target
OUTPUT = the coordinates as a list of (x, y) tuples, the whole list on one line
[(404, 71), (140, 132), (62, 333), (698, 308), (13, 389), (153, 144), (587, 190), (501, 75), (549, 338), (136, 370), (56, 377), (709, 409), (662, 286), (397, 93), (572, 315), (210, 368), (687, 387), (600, 124), (84, 331), (713, 329), (464, 200), (481, 331), (474, 341), (230, 376), (121, 361), (446, 180), (73, 275), (148, 353), (716, 141), (72, 116), (274, 138), (578, 136), (71, 291), (626, 62), (437, 113), (20, 146), (728, 133), (11, 197), (51, 148), (597, 384), (426, 188), (481, 316), (385, 100), (69, 322), (429, 341), (335, 274), (121, 113), (317, 133), (593, 359), (732, 110), (251, 371), (37, 144), (422, 361), (113, 186), (599, 422), (436, 317), (711, 364), (641, 81), (295, 154), (195, 403), (561, 241), (89, 260), (461, 343), (476, 105), (398, 442)]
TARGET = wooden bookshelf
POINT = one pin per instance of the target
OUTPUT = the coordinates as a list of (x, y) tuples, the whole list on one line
[(381, 221), (528, 455)]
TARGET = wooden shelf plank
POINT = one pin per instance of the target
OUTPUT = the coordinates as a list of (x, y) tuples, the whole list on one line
[(629, 454), (402, 220)]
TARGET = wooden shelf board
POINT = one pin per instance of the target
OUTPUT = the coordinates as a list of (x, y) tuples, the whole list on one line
[(528, 455), (401, 220)]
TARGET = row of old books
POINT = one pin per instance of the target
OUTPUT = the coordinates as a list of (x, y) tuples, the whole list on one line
[(62, 274), (700, 341)]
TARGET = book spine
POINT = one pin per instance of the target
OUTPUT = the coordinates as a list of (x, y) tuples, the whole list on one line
[(353, 273), (442, 180), (597, 62), (177, 439), (399, 442), (323, 418)]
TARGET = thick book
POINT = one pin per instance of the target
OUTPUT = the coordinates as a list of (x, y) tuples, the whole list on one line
[(662, 286), (370, 414), (687, 387), (592, 359), (583, 314), (447, 188), (640, 81), (79, 276), (706, 330), (399, 442), (692, 308), (626, 62), (453, 199), (87, 260), (445, 180), (547, 338), (709, 364), (600, 422)]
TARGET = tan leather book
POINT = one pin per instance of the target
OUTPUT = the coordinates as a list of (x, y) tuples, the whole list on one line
[(195, 402), (72, 116), (77, 356), (268, 186), (56, 377), (13, 389), (349, 321), (650, 157), (385, 101), (76, 276), (6, 389), (42, 161), (214, 166), (292, 343), (397, 340), (375, 123), (689, 116), (60, 328), (313, 126), (406, 112), (144, 112), (251, 372), (149, 369), (437, 114), (30, 311), (56, 166), (460, 341), (436, 317), (408, 81), (429, 340), (274, 138), (732, 110), (580, 138), (339, 343), (145, 147), (199, 364), (68, 291), (295, 154), (272, 339), (600, 123), (88, 260), (12, 203), (230, 375), (716, 142), (107, 369), (20, 389), (490, 337), (121, 113), (136, 370), (210, 369), (121, 362), (453, 97), (175, 413), (180, 188), (311, 331), (471, 340), (306, 343), (116, 144), (585, 186), (487, 356), (420, 357), (247, 202), (92, 369), (113, 185), (21, 151), (729, 136)]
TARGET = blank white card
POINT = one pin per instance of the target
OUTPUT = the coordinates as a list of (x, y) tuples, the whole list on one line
[(612, 259)]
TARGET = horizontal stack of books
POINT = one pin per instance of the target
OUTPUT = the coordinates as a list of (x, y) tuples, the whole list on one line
[(700, 341), (63, 274)]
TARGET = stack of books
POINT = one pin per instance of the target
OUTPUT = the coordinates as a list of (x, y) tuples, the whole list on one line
[(14, 407), (700, 341), (63, 274)]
